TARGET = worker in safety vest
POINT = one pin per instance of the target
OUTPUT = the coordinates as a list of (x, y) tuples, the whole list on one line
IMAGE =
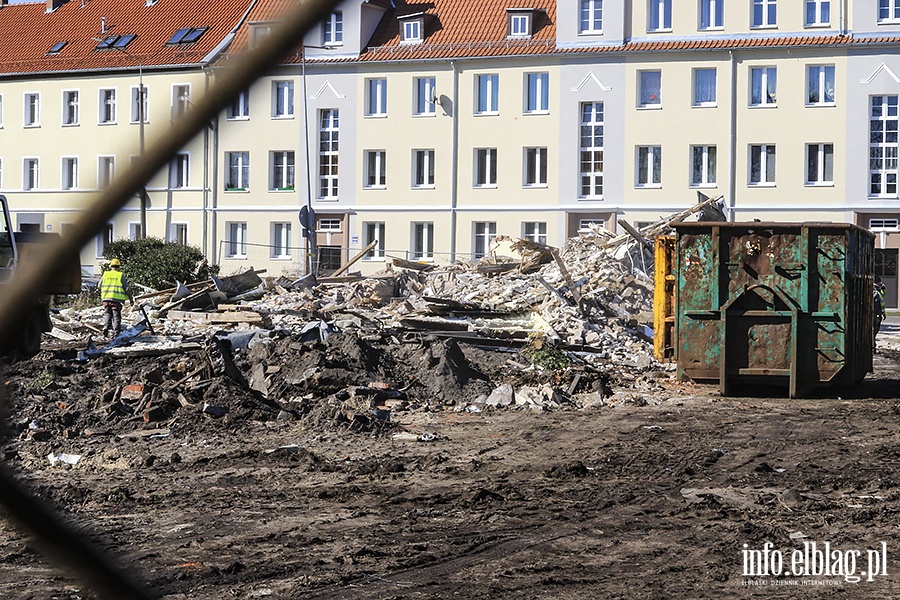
[(114, 291)]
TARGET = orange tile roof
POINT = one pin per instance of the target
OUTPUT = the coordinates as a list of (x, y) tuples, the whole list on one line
[(27, 32)]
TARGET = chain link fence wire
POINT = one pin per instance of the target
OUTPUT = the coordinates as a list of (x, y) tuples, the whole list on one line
[(65, 545)]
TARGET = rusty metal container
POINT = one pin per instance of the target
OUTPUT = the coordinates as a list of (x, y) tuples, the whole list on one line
[(773, 303)]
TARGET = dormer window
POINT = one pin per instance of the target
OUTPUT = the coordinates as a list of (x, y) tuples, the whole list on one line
[(519, 22), (333, 29), (412, 29), (258, 31)]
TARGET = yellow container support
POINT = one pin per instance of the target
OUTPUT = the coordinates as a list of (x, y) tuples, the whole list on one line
[(664, 299)]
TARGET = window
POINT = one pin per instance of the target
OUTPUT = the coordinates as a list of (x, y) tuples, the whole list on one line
[(1, 110), (57, 47), (69, 175), (649, 166), (31, 174), (328, 154), (763, 13), (584, 225), (106, 170), (134, 231), (762, 86), (411, 31), (236, 244), (374, 233), (375, 169), (591, 16), (181, 100), (32, 110), (537, 92), (484, 234), (423, 168), (238, 171), (327, 224), (239, 107), (423, 241), (281, 240), (376, 97), (139, 108), (703, 166), (819, 164), (762, 164), (178, 171), (519, 24), (333, 29), (282, 171), (118, 42), (258, 32), (187, 35), (711, 12), (884, 224), (70, 107), (820, 84), (535, 167), (649, 83), (883, 125), (704, 87), (282, 99), (535, 232), (107, 106), (486, 167), (104, 239), (487, 89), (818, 12), (591, 157), (660, 15), (888, 11), (424, 93), (178, 233)]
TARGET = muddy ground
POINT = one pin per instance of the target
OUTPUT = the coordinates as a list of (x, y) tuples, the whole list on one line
[(650, 494)]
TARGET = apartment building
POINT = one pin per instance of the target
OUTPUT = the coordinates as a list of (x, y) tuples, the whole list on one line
[(432, 128)]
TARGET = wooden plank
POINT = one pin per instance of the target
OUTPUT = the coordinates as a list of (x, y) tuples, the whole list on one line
[(353, 260), (567, 277), (216, 317)]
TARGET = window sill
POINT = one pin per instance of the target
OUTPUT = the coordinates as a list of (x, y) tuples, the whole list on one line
[(377, 116), (817, 25), (648, 186), (420, 115), (705, 105), (486, 186), (587, 32), (819, 184), (327, 199), (106, 123), (663, 30), (535, 112), (763, 106), (138, 122), (764, 184), (423, 187), (590, 198), (714, 28), (535, 186), (71, 124), (703, 186), (280, 257), (649, 106), (282, 117), (374, 187), (32, 126), (486, 114), (756, 27), (247, 118), (236, 257), (237, 189), (821, 105)]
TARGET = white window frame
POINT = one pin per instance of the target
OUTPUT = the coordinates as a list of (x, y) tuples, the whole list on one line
[(178, 233), (648, 167), (817, 79), (283, 99), (376, 97), (820, 11), (333, 29), (483, 235), (645, 97), (411, 31), (766, 155), (280, 245), (763, 14), (695, 77), (711, 16), (768, 94), (537, 93), (1, 111), (375, 176), (103, 239), (534, 170), (519, 25), (485, 168), (239, 109), (68, 173), (889, 225), (535, 231), (180, 171), (592, 158), (423, 168), (424, 92), (106, 104), (137, 111), (236, 243), (70, 108), (590, 17), (374, 231), (422, 242), (819, 157), (584, 225), (106, 170), (888, 11), (659, 16), (31, 173), (32, 109), (708, 163), (487, 94), (181, 99), (329, 225), (237, 163), (134, 230), (282, 171), (883, 145), (329, 130)]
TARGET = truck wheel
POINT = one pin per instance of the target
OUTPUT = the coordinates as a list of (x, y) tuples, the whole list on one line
[(30, 338)]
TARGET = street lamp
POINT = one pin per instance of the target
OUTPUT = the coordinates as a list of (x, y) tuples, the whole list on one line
[(308, 217)]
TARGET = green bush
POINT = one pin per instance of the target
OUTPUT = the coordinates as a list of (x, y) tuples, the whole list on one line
[(155, 263)]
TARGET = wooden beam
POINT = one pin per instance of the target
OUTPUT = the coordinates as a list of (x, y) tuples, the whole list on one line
[(356, 258)]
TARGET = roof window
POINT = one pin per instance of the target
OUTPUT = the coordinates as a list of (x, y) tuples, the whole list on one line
[(115, 41), (520, 22), (186, 35), (55, 49)]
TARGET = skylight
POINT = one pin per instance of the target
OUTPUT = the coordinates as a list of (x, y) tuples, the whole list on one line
[(57, 47), (186, 35), (115, 41)]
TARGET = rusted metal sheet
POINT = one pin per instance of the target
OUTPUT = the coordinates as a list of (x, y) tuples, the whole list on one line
[(775, 303)]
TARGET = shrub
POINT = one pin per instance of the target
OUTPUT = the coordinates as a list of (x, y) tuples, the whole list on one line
[(155, 263)]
